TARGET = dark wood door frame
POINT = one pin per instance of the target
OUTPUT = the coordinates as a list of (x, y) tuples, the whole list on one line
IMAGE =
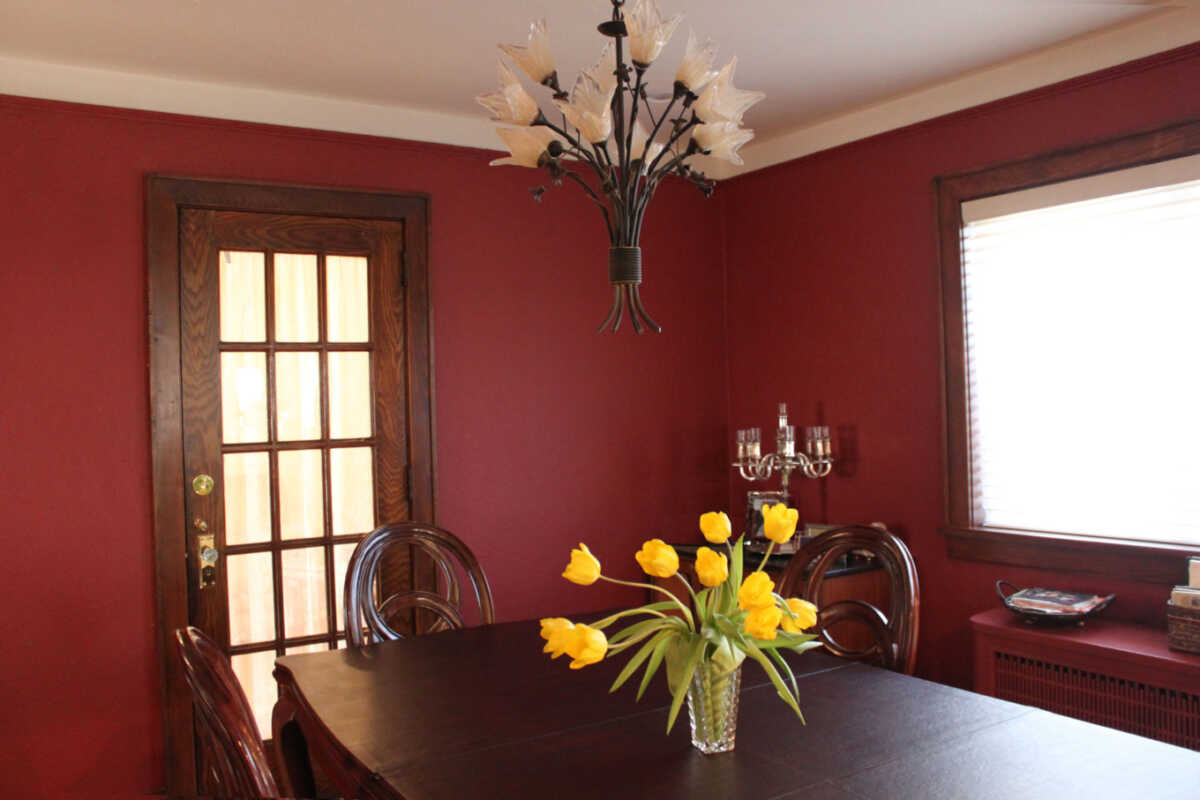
[(166, 197)]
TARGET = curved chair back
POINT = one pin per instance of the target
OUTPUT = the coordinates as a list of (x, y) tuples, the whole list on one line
[(229, 736), (894, 644), (447, 552)]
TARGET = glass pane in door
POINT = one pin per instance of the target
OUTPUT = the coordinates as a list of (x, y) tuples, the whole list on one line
[(349, 395), (251, 598), (301, 495), (346, 282), (352, 490), (247, 498), (243, 397), (298, 396), (304, 609), (243, 307), (296, 297), (254, 670)]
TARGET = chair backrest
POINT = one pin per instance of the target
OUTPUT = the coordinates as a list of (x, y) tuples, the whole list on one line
[(233, 751), (447, 552), (895, 632)]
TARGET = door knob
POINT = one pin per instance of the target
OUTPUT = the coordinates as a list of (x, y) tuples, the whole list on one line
[(203, 484)]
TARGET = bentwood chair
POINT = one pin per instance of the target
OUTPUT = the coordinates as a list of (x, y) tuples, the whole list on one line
[(370, 621), (233, 753), (893, 641)]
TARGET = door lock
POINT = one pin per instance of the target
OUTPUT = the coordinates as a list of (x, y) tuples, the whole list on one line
[(207, 556)]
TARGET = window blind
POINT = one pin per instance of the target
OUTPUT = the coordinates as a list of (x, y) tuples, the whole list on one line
[(1083, 359)]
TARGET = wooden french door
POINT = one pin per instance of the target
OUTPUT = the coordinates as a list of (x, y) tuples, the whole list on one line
[(300, 424)]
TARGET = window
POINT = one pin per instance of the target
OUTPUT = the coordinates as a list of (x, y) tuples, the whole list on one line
[(1070, 291)]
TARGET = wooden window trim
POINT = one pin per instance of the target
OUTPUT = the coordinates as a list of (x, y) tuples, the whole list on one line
[(1158, 563), (166, 197)]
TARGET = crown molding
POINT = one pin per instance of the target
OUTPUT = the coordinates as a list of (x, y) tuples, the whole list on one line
[(1163, 30), (76, 84)]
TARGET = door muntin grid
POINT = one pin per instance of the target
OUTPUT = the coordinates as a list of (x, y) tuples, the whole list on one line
[(297, 396)]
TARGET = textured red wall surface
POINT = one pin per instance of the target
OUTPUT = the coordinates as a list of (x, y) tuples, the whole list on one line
[(834, 308), (547, 433)]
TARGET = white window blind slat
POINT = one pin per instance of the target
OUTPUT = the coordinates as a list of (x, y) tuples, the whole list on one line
[(1083, 346)]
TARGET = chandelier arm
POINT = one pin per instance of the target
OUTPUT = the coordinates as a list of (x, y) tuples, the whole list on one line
[(666, 113), (639, 72), (656, 174), (619, 97), (639, 214), (640, 309), (644, 189), (573, 141), (655, 179), (630, 294), (612, 312), (596, 199), (630, 177), (620, 308)]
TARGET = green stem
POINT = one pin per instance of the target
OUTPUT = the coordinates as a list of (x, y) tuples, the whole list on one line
[(604, 623), (687, 612), (766, 555)]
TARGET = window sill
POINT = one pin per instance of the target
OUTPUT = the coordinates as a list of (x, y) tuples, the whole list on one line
[(1142, 562)]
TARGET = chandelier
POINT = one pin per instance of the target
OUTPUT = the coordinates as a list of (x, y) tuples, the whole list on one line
[(609, 140)]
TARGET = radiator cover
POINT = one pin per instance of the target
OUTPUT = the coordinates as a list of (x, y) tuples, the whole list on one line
[(1111, 673), (1169, 715)]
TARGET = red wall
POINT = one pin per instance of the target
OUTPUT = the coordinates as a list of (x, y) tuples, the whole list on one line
[(834, 308), (547, 433)]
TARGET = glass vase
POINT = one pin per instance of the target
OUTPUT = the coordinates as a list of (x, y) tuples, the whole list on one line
[(713, 706)]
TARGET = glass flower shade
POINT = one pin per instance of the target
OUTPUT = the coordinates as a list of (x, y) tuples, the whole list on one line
[(511, 105), (534, 58), (648, 31), (722, 140), (696, 70), (589, 110), (526, 145), (722, 101)]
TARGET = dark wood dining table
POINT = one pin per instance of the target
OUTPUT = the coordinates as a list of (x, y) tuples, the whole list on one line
[(482, 713)]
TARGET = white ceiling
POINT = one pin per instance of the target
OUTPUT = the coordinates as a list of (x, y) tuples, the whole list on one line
[(817, 60)]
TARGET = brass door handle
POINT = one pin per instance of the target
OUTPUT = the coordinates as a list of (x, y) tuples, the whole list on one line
[(206, 560), (203, 484)]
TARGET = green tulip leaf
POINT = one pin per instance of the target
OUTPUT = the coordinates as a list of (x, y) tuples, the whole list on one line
[(656, 658), (694, 655), (636, 660)]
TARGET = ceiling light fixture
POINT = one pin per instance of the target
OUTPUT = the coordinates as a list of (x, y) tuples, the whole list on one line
[(603, 126)]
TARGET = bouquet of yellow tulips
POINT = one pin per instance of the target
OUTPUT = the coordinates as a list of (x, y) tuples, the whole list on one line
[(702, 642)]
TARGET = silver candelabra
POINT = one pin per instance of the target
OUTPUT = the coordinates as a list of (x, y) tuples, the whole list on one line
[(815, 462)]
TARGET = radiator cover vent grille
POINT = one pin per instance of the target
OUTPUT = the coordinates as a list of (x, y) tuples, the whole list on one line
[(1168, 715)]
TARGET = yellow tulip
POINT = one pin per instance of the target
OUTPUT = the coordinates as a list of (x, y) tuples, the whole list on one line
[(715, 527), (779, 522), (586, 645), (755, 592), (711, 567), (761, 623), (658, 558), (805, 615), (557, 632), (584, 568)]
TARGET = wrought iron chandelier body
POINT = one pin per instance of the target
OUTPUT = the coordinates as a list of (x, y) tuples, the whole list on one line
[(609, 140)]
